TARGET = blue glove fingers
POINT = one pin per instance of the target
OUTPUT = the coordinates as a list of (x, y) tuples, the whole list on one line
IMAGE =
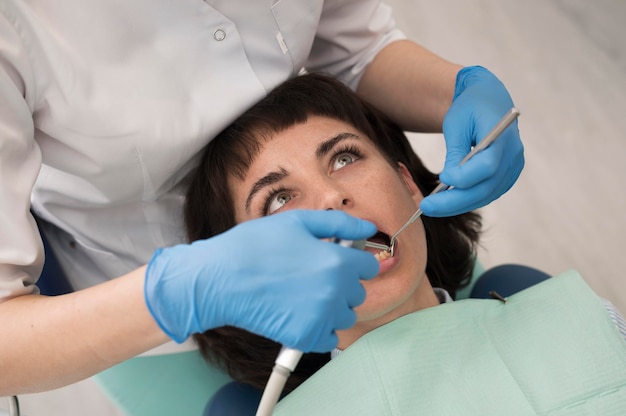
[(332, 304), (362, 264), (328, 300), (355, 295), (324, 224), (458, 131), (357, 265), (455, 201)]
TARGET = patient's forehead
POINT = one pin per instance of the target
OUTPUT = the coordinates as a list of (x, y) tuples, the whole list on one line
[(324, 122), (296, 138), (262, 135)]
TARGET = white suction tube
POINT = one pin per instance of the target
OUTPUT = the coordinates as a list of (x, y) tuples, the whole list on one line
[(284, 365)]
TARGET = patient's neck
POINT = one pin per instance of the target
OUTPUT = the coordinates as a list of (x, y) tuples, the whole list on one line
[(423, 297)]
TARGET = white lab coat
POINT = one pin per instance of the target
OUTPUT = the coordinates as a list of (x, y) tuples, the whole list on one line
[(105, 104)]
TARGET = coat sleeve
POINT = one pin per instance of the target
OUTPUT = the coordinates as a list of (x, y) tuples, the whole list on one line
[(349, 35), (21, 250)]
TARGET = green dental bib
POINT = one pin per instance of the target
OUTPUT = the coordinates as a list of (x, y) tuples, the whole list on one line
[(549, 350)]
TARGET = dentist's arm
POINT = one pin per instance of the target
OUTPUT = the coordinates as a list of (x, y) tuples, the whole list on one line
[(52, 341), (272, 276), (423, 92)]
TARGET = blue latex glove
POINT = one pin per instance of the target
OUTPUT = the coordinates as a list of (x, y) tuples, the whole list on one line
[(480, 101), (272, 276)]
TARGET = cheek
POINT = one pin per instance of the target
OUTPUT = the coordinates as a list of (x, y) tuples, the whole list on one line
[(399, 199), (383, 183)]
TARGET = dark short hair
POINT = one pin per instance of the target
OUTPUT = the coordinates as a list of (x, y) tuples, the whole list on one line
[(209, 208)]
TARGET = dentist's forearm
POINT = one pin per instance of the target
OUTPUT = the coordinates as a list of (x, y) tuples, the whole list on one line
[(411, 85), (50, 342)]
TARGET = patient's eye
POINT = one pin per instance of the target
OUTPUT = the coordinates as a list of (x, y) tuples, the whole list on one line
[(345, 156), (276, 200), (343, 160)]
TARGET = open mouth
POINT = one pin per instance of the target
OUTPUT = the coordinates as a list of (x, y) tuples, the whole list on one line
[(380, 238)]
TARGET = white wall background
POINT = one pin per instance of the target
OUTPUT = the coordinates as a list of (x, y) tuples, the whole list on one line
[(564, 62)]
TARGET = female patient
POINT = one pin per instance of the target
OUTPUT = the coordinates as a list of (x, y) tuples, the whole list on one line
[(313, 144)]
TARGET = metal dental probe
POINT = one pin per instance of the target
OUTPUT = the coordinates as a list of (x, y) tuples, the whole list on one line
[(508, 118)]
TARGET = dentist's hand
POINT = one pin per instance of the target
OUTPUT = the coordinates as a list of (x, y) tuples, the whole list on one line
[(272, 276), (480, 101)]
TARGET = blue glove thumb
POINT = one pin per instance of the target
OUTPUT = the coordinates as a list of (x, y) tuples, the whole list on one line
[(480, 101), (272, 276)]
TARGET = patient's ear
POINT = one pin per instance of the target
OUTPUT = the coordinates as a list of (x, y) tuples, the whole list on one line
[(410, 183)]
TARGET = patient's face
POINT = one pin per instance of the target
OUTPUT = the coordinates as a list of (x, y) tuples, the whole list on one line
[(327, 164)]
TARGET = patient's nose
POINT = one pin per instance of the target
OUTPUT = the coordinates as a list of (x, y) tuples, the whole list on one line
[(334, 198), (344, 203)]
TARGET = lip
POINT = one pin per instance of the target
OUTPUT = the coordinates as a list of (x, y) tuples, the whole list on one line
[(388, 264)]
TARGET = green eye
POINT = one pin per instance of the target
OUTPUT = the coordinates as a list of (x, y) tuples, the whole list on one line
[(277, 201), (343, 160)]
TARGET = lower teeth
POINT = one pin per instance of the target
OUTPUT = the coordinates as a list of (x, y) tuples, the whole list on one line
[(382, 255)]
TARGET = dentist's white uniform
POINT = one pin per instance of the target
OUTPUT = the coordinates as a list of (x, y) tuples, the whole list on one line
[(105, 104)]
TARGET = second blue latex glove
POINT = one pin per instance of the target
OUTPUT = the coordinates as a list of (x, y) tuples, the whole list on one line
[(272, 276), (480, 101)]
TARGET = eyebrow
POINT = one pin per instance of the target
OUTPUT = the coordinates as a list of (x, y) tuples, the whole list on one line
[(273, 177), (325, 147)]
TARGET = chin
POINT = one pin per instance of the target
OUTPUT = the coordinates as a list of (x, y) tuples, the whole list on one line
[(379, 314)]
